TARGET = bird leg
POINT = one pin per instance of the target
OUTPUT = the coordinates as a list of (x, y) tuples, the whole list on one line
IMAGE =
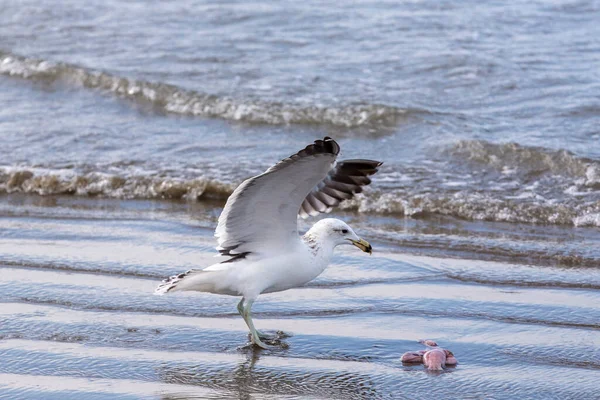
[(240, 308), (247, 315)]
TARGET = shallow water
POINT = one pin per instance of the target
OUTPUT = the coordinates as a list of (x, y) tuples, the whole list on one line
[(77, 304), (125, 126)]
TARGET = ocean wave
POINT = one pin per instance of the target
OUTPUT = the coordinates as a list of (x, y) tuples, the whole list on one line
[(513, 157), (176, 100), (125, 186), (476, 206), (469, 205)]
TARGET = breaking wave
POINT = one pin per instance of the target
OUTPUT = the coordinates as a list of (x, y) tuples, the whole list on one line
[(53, 182), (503, 182), (518, 185), (172, 99), (469, 205), (476, 206), (526, 160)]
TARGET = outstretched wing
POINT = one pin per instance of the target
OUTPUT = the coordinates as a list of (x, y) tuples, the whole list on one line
[(341, 183), (261, 214)]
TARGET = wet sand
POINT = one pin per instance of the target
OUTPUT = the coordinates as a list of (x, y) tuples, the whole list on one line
[(78, 318)]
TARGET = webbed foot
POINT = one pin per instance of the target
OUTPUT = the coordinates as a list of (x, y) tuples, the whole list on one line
[(277, 335), (267, 341)]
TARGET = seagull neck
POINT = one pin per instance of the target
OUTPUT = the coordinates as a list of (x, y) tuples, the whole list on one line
[(320, 244)]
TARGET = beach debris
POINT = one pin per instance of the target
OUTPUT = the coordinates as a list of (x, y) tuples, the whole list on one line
[(434, 357)]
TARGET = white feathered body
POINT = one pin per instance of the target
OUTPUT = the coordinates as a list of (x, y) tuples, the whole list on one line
[(299, 263), (258, 227)]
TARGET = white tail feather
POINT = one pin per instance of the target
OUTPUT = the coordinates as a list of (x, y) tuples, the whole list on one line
[(194, 280)]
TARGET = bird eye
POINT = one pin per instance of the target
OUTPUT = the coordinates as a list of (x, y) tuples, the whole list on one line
[(344, 230)]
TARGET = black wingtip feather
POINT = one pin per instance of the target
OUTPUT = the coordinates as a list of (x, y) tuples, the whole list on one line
[(226, 251), (368, 167), (236, 257), (325, 146), (343, 182)]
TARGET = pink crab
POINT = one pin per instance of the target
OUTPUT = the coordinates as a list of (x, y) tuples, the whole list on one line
[(434, 358)]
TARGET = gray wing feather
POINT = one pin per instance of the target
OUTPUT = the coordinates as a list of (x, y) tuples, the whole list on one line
[(264, 209), (341, 183)]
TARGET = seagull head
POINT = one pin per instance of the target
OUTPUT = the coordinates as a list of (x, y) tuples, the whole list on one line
[(340, 233)]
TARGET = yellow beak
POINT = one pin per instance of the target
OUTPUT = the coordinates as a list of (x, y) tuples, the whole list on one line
[(363, 245)]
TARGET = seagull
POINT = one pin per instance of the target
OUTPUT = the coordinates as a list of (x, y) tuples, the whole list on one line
[(258, 228)]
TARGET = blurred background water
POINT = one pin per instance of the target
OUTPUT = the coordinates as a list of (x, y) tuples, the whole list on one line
[(125, 125)]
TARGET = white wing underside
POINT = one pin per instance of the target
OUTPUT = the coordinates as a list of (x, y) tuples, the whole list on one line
[(261, 214)]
